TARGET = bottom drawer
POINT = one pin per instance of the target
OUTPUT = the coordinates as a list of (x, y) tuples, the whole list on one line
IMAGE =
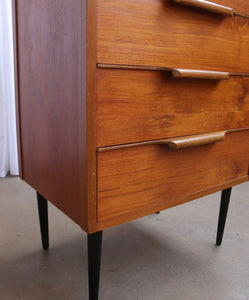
[(141, 177)]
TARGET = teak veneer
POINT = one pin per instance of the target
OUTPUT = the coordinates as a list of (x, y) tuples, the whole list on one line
[(167, 34), (163, 176), (126, 108), (148, 105)]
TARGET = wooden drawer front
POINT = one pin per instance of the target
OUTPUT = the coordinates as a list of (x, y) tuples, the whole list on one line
[(163, 33), (130, 180), (135, 106)]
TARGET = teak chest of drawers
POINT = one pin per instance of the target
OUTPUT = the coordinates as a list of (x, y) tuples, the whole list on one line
[(126, 108)]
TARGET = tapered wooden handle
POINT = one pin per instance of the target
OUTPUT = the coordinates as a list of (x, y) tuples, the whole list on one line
[(195, 140), (179, 143), (207, 5), (185, 73), (177, 73)]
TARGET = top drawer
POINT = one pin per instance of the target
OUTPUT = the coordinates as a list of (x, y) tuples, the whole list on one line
[(166, 34)]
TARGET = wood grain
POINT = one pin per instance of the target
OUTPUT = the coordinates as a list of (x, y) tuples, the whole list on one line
[(135, 106), (136, 179), (166, 34), (101, 225), (52, 102), (89, 186)]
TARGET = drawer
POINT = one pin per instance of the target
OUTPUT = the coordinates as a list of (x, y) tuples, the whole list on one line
[(164, 33), (137, 179), (134, 106)]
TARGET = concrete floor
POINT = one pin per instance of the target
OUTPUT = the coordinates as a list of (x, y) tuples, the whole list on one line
[(170, 256)]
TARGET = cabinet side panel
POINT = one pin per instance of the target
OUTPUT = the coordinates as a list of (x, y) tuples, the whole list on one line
[(51, 37), (91, 204)]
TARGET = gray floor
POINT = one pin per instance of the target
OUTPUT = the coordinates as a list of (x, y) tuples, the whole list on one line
[(170, 256)]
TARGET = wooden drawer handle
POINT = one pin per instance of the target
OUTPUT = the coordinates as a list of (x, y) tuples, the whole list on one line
[(207, 5), (215, 75), (177, 73), (178, 143), (195, 140), (211, 6)]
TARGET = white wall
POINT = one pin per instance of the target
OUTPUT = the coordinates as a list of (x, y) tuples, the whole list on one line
[(8, 141)]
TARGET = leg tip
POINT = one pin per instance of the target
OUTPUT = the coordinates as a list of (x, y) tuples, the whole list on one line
[(45, 246), (218, 243)]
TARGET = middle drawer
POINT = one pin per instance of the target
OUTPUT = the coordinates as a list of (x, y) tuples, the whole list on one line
[(135, 105)]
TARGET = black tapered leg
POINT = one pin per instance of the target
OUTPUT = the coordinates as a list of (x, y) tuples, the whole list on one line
[(94, 260), (225, 198), (43, 217)]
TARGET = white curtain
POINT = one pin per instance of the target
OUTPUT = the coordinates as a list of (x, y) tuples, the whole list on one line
[(8, 141)]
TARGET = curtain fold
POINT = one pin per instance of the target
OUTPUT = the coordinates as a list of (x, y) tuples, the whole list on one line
[(8, 140)]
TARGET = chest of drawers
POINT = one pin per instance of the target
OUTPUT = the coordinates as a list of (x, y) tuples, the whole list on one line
[(126, 108)]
